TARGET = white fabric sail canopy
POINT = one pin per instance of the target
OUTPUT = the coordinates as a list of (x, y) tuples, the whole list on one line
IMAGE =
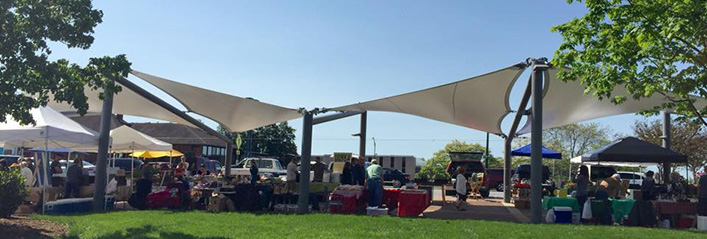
[(125, 140), (236, 113), (126, 102), (52, 130), (479, 102), (565, 103)]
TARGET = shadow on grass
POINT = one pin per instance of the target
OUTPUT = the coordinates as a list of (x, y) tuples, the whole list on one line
[(21, 231), (145, 232)]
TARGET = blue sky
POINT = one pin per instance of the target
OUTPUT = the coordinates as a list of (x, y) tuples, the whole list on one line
[(331, 53)]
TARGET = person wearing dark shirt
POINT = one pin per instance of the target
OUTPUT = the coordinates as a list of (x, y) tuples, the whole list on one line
[(3, 165), (73, 179), (202, 170), (648, 187), (143, 187), (55, 168), (346, 174), (253, 172), (702, 194), (359, 173)]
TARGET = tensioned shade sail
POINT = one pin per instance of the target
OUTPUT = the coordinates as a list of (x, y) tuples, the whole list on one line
[(565, 103), (52, 130), (236, 113), (546, 153), (631, 149), (479, 102), (156, 154), (126, 102), (125, 140)]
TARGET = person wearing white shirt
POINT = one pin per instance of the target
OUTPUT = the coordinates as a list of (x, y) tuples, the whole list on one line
[(27, 173), (461, 188), (291, 179)]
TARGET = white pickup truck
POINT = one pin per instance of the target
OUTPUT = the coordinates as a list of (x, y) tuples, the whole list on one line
[(267, 167)]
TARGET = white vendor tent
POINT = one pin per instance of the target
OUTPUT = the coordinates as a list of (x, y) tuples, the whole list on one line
[(236, 113), (127, 140), (52, 130), (479, 102)]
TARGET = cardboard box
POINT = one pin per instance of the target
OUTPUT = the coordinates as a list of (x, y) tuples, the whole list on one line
[(217, 204), (86, 191)]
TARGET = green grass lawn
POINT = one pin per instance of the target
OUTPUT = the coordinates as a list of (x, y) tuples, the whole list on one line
[(175, 225)]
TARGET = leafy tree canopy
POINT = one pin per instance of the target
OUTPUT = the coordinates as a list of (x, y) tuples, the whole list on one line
[(277, 140), (650, 46), (27, 26)]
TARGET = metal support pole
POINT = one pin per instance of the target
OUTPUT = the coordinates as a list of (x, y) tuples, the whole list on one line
[(99, 194), (332, 117), (536, 143), (507, 144), (486, 155), (229, 157), (306, 155), (667, 135), (362, 136)]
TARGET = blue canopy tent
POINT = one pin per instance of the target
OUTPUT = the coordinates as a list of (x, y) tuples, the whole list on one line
[(547, 153)]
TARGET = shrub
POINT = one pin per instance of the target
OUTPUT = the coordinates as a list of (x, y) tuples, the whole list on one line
[(12, 192)]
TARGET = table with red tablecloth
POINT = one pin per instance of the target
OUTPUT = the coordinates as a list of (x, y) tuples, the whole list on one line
[(412, 203), (346, 202), (390, 197)]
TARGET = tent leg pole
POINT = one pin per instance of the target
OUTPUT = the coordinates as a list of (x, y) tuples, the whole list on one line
[(99, 195), (536, 142), (303, 202)]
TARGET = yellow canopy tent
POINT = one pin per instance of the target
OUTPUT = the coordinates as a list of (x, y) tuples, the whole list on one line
[(156, 154)]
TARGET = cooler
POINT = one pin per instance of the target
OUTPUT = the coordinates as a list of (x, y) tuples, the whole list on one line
[(340, 204), (69, 206), (563, 215)]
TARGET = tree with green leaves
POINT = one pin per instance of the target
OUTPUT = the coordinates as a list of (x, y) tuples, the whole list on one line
[(687, 138), (28, 78), (435, 167), (571, 140), (648, 46), (277, 140)]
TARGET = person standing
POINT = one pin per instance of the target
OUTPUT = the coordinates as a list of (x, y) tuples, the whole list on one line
[(73, 179), (702, 194), (291, 179), (27, 173), (582, 181), (461, 189), (648, 187), (319, 168), (254, 172), (55, 171), (3, 165), (358, 171), (375, 183), (182, 166), (346, 174)]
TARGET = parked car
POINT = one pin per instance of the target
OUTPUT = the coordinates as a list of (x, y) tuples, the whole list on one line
[(635, 180), (213, 166), (124, 163), (391, 174), (495, 178), (472, 166), (9, 159), (523, 172), (268, 167)]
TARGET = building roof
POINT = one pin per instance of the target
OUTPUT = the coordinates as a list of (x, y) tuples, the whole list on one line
[(178, 134), (94, 121)]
